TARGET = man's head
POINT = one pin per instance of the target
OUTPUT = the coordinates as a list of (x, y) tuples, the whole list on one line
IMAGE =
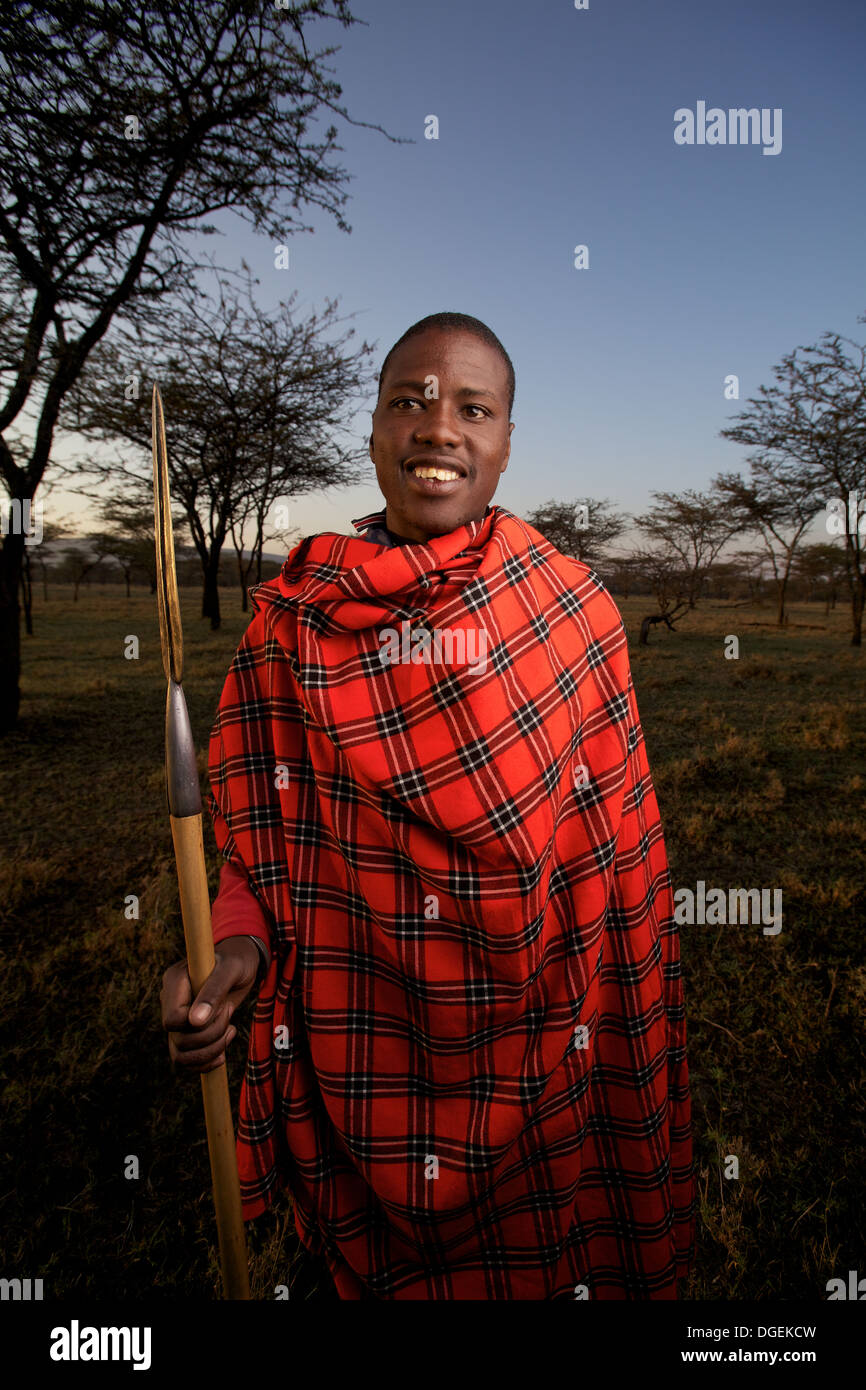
[(446, 390)]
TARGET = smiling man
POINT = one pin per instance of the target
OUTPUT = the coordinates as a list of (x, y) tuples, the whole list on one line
[(467, 1060), (439, 456)]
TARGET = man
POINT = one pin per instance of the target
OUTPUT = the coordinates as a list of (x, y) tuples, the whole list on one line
[(467, 1059)]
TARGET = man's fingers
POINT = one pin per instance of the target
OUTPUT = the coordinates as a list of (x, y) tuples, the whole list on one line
[(189, 1039), (175, 996), (201, 1059), (214, 993), (198, 1028)]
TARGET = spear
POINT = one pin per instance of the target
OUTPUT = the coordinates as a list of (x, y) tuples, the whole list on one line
[(184, 805)]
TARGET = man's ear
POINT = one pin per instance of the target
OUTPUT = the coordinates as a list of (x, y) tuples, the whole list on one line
[(370, 447), (507, 449)]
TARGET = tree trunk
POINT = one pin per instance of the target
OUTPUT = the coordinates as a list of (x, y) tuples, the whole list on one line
[(27, 592), (210, 602), (11, 558), (649, 621), (783, 585), (242, 578), (857, 614)]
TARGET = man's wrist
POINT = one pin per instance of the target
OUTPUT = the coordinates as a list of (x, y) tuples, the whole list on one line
[(264, 957), (263, 954)]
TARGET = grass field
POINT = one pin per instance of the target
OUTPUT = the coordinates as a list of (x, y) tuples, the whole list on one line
[(760, 768)]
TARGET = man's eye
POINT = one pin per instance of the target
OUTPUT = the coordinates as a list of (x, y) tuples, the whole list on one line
[(413, 400)]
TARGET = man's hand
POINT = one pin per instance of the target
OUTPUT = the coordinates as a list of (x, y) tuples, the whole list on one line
[(198, 1029)]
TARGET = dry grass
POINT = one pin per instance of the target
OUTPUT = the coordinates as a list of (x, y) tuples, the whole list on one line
[(759, 765)]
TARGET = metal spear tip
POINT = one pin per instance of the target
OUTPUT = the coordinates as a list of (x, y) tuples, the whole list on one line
[(181, 766), (168, 603)]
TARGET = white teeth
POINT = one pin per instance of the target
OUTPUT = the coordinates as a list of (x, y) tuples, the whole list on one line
[(444, 475)]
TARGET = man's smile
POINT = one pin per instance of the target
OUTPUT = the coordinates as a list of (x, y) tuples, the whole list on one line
[(433, 475)]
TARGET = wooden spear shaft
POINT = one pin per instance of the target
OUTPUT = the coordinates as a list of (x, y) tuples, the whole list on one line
[(185, 814)]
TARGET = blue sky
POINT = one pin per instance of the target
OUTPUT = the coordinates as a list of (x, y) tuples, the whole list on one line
[(556, 127)]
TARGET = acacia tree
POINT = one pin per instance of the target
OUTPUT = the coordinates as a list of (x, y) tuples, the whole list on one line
[(131, 524), (752, 567), (252, 511), (626, 573), (51, 531), (687, 532), (125, 553), (122, 128), (778, 513), (809, 437), (83, 558), (722, 579), (581, 529), (822, 566), (252, 404), (667, 580)]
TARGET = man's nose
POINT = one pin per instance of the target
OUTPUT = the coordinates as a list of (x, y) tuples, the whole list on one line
[(439, 425)]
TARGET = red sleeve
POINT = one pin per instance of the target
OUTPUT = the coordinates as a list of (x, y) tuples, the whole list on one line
[(236, 911)]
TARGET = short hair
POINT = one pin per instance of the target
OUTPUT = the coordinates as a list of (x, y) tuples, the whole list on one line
[(467, 324)]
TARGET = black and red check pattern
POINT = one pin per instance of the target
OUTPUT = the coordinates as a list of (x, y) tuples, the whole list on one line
[(476, 969)]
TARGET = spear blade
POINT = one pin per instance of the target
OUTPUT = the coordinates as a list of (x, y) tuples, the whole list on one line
[(184, 803)]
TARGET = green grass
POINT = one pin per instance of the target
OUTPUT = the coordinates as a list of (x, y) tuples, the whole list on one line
[(759, 765)]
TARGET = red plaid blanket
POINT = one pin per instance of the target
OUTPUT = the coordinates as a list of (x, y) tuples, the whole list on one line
[(467, 1059)]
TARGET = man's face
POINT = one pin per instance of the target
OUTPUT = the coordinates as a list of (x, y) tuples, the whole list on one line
[(464, 430)]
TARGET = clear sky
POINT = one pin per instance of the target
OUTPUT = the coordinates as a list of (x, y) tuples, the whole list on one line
[(556, 128)]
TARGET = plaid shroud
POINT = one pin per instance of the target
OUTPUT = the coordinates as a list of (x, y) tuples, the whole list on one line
[(476, 970)]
